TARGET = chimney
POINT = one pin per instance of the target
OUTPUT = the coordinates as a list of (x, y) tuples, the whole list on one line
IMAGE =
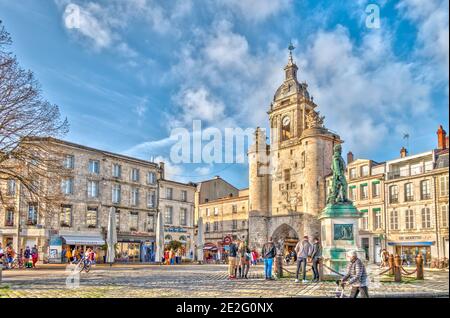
[(349, 157), (442, 138), (161, 169), (403, 152)]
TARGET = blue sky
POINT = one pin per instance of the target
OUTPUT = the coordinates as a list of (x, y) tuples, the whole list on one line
[(133, 70)]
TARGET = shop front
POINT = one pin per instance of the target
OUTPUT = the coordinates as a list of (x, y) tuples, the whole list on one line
[(183, 237), (58, 244), (210, 252), (408, 251), (135, 249)]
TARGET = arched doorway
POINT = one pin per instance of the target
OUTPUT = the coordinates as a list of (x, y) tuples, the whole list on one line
[(288, 235)]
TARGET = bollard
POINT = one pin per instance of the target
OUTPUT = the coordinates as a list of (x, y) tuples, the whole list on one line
[(320, 269), (279, 265), (391, 264), (419, 266), (397, 269)]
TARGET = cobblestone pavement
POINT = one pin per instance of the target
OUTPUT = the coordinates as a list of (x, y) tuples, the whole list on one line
[(194, 281)]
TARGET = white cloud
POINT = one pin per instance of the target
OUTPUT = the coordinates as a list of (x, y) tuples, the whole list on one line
[(255, 10), (203, 171)]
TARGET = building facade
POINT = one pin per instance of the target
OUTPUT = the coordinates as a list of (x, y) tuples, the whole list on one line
[(93, 182), (176, 202), (224, 219)]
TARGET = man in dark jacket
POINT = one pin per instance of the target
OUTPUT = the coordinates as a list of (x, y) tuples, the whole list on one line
[(316, 255), (268, 253), (232, 260)]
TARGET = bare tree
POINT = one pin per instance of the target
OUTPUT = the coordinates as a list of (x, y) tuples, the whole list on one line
[(26, 120)]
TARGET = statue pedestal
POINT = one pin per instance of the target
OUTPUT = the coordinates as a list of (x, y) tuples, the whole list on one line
[(339, 232)]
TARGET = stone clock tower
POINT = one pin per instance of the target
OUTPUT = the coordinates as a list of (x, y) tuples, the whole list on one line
[(287, 191)]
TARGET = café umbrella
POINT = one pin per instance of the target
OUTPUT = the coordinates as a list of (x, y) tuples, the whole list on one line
[(111, 238)]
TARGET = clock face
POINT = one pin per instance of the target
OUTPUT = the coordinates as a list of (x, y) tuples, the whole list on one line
[(286, 121)]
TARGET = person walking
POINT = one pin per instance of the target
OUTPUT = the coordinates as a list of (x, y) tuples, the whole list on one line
[(244, 259), (69, 255), (232, 260), (34, 255), (268, 253), (303, 250), (27, 256), (10, 253), (171, 256), (356, 276), (316, 255)]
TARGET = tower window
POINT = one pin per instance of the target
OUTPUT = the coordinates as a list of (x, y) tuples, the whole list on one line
[(286, 128)]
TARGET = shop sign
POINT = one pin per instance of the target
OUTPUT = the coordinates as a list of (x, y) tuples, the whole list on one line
[(55, 249), (176, 229), (411, 238)]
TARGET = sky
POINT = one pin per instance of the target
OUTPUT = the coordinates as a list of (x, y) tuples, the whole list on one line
[(128, 73)]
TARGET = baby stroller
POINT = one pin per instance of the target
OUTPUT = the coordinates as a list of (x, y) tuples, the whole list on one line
[(340, 290)]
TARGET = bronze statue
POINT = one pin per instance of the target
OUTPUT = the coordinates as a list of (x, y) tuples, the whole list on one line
[(338, 189)]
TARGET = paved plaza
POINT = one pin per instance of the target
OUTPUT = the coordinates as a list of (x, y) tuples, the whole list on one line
[(138, 281)]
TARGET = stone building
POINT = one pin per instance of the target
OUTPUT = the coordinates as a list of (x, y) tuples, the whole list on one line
[(224, 219), (404, 202), (176, 202), (287, 188), (94, 181), (366, 189)]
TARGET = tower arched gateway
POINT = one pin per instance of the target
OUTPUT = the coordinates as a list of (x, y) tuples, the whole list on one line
[(287, 235), (291, 187)]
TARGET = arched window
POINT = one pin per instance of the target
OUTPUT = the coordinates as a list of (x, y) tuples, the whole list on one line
[(168, 237), (286, 128)]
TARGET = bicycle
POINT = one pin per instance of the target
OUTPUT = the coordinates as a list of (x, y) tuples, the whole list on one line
[(83, 265)]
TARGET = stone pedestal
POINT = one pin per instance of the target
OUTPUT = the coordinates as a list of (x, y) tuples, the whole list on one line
[(339, 232)]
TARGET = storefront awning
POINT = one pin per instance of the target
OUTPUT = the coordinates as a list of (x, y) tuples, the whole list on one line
[(410, 243), (83, 240)]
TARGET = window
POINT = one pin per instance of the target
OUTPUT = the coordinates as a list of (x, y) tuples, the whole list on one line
[(376, 189), (393, 194), (168, 215), (94, 166), (134, 221), (353, 173), (69, 162), (234, 225), (425, 191), (184, 195), (134, 196), (234, 208), (65, 218), (352, 192), (32, 214), (118, 220), (91, 217), (364, 171), (151, 177), (117, 170), (11, 190), (208, 213), (9, 220), (150, 225), (287, 175), (303, 159), (169, 193), (376, 218), (93, 189), (207, 227), (116, 193), (216, 226), (183, 216), (409, 192), (216, 211), (426, 218), (67, 186), (393, 220), (443, 186), (151, 199), (409, 219), (365, 220), (135, 175), (364, 193), (444, 215)]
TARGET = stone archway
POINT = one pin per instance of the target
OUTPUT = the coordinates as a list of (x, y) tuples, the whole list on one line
[(287, 234)]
